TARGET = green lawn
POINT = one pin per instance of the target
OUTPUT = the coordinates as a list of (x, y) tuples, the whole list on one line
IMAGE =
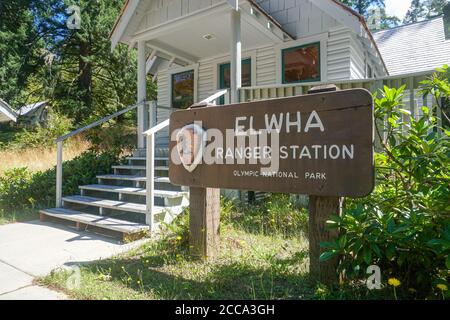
[(11, 216), (256, 261), (250, 266)]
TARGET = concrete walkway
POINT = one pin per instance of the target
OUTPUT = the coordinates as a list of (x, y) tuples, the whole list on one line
[(34, 249)]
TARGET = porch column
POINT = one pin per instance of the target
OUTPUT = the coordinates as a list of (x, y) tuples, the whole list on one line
[(235, 72), (142, 114)]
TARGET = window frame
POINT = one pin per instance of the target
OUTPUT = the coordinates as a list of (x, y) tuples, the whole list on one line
[(174, 71), (248, 60), (320, 64)]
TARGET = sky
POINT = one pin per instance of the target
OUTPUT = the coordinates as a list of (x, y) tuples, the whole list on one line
[(397, 7)]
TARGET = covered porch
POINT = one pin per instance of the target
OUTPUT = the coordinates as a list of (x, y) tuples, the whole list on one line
[(175, 49)]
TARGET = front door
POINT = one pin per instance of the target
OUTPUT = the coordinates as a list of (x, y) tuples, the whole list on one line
[(224, 76)]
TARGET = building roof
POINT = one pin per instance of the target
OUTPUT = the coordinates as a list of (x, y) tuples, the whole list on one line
[(28, 109), (134, 4), (414, 47), (6, 112)]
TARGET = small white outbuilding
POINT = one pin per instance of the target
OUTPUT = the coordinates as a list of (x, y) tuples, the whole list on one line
[(7, 114)]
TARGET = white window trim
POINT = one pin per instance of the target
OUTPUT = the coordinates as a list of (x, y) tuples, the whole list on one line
[(321, 38), (175, 70)]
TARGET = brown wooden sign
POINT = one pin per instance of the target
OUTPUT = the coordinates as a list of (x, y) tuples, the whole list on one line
[(318, 144)]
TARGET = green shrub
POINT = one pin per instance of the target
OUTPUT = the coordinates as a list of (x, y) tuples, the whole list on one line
[(43, 135), (15, 187), (275, 214), (21, 189), (403, 227), (112, 136)]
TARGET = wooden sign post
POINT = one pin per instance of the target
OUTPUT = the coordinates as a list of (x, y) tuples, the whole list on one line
[(320, 211), (320, 144), (204, 222)]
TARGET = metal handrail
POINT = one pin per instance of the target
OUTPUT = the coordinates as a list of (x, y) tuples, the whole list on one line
[(99, 122), (60, 146), (212, 99), (150, 163)]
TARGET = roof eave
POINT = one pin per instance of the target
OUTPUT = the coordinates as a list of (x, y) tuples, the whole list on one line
[(366, 28), (7, 111)]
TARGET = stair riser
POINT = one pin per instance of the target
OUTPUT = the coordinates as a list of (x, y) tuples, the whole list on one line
[(137, 217), (141, 184), (168, 187), (159, 200), (160, 151), (121, 183), (116, 213), (158, 163), (139, 172), (130, 172)]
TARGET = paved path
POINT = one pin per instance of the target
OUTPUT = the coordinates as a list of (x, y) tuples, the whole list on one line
[(33, 249)]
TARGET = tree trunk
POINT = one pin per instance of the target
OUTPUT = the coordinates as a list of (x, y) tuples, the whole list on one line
[(85, 73)]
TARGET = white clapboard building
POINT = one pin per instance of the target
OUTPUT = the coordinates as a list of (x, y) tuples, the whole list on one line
[(230, 51)]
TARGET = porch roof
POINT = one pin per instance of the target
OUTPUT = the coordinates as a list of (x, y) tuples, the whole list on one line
[(206, 33)]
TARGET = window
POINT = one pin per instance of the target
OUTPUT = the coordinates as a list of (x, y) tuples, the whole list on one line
[(183, 89), (225, 80), (246, 74), (301, 64)]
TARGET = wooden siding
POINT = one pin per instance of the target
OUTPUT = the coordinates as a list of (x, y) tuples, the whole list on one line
[(266, 66), (161, 11), (301, 18), (206, 79), (357, 59), (338, 54)]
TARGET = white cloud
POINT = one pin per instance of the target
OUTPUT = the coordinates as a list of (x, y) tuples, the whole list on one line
[(397, 7)]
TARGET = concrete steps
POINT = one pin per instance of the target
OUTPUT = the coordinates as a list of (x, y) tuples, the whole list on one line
[(132, 191), (117, 203), (132, 178), (126, 229)]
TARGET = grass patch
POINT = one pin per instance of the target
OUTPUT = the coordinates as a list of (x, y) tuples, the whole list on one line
[(249, 267), (255, 263), (39, 159), (12, 216)]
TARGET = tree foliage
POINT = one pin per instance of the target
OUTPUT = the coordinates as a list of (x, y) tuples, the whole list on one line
[(435, 7), (415, 12), (74, 69), (363, 6), (424, 9), (375, 13), (20, 50)]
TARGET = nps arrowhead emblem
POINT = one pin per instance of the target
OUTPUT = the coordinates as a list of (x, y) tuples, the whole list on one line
[(191, 141)]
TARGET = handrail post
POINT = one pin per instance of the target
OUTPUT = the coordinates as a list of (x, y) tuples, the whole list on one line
[(59, 173), (153, 112), (150, 183), (227, 97)]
